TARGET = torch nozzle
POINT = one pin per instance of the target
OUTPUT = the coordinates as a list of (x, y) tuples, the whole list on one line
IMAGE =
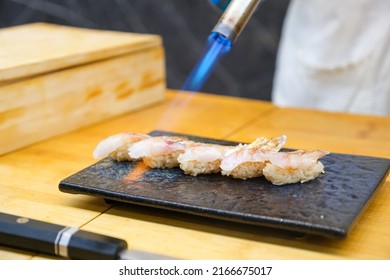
[(235, 17)]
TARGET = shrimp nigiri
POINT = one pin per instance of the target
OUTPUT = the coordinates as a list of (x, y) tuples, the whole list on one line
[(292, 167), (200, 158), (261, 157), (116, 145), (247, 161), (159, 152)]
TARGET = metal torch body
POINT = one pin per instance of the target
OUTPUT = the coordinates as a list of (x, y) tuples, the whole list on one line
[(235, 17)]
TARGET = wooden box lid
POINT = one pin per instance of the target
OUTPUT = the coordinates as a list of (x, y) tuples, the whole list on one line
[(39, 48)]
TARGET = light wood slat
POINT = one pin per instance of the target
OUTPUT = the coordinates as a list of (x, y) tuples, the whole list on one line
[(13, 254), (41, 47), (199, 114), (336, 132)]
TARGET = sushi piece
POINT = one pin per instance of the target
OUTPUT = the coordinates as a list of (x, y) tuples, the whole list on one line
[(116, 146), (247, 161), (159, 152), (292, 167), (199, 158)]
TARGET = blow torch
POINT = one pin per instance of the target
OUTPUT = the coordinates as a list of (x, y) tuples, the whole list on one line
[(236, 15), (232, 22)]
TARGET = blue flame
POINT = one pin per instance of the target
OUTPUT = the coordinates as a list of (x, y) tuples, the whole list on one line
[(221, 4), (217, 46)]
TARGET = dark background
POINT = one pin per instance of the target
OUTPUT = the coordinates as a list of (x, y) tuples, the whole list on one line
[(184, 25)]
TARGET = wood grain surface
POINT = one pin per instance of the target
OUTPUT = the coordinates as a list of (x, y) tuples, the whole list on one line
[(79, 75), (38, 48), (30, 177)]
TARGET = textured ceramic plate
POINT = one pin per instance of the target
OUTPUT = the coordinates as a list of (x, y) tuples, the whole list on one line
[(327, 206)]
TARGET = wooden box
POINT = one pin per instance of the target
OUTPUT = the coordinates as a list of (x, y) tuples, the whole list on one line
[(54, 79)]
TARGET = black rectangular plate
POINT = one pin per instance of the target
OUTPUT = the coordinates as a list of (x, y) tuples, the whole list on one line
[(327, 206)]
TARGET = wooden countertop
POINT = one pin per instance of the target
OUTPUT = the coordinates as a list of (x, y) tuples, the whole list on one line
[(30, 177)]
